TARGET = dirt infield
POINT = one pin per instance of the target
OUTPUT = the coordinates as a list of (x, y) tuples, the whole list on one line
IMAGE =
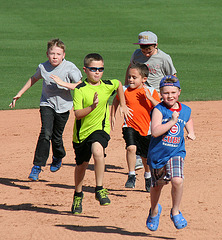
[(41, 210)]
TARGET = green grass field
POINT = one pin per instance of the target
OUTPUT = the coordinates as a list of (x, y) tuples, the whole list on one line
[(190, 31)]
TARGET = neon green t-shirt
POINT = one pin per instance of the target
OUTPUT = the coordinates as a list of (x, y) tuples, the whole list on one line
[(98, 119)]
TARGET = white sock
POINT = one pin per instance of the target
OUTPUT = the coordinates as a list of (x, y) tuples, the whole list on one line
[(132, 173), (147, 175)]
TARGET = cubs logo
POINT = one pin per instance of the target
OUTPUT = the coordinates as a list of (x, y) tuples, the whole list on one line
[(174, 130)]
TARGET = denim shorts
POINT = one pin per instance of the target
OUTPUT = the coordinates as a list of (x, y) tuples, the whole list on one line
[(173, 168)]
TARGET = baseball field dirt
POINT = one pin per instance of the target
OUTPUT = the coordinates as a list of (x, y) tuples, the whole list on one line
[(41, 210)]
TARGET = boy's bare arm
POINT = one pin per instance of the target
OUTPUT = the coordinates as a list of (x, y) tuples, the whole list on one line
[(81, 113), (123, 108), (28, 84), (114, 107), (190, 130), (60, 82), (157, 128)]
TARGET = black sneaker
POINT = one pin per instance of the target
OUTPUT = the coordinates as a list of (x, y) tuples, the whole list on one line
[(77, 205), (101, 196), (130, 183), (148, 184)]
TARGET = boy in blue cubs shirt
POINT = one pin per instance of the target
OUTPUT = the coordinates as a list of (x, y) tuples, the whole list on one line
[(167, 150)]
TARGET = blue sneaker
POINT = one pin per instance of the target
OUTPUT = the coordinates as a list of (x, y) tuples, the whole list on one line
[(34, 175), (56, 164)]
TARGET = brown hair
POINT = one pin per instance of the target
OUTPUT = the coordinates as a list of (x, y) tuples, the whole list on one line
[(92, 57), (141, 68), (56, 42)]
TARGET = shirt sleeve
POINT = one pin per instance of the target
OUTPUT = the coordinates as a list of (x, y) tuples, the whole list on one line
[(156, 95), (75, 75), (169, 67), (37, 75), (77, 99)]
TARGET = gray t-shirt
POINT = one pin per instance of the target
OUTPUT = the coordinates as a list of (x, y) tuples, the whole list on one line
[(57, 97), (159, 64)]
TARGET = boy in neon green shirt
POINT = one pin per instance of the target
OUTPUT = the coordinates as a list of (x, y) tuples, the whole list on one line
[(92, 126)]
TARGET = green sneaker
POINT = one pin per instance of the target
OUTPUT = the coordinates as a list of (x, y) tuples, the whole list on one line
[(101, 196), (77, 205)]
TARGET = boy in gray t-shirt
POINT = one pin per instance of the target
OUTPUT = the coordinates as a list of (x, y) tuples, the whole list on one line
[(55, 103), (159, 63)]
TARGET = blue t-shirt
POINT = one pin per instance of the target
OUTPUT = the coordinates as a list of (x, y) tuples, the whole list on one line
[(171, 143)]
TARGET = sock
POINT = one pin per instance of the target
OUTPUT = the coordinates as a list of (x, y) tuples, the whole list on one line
[(132, 173), (78, 194), (99, 188), (147, 175)]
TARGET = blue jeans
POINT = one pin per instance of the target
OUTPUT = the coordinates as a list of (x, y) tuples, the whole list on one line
[(53, 125)]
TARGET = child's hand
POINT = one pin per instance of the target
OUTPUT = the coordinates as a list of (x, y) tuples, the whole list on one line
[(147, 92), (126, 111), (95, 101), (113, 120), (57, 80), (12, 104), (175, 116), (191, 136)]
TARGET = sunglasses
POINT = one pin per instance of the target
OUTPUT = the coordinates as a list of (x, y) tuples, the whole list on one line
[(95, 69)]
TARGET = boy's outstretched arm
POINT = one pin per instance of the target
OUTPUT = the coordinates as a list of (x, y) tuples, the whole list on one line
[(114, 107), (190, 130), (60, 82), (123, 108), (81, 113), (28, 84)]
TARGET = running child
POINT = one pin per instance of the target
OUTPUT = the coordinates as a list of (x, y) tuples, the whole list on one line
[(92, 126), (167, 150), (55, 104), (158, 62), (141, 99)]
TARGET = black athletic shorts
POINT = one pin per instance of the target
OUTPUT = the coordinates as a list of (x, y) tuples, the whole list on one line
[(132, 137), (83, 150)]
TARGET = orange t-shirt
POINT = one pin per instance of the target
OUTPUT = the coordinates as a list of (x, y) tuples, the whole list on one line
[(136, 100)]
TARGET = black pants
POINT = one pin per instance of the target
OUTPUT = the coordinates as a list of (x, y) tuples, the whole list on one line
[(53, 125)]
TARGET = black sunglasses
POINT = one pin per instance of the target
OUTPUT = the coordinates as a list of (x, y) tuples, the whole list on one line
[(95, 69)]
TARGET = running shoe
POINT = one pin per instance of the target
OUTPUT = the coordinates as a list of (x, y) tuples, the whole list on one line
[(131, 181), (101, 196), (56, 164), (77, 204), (34, 175)]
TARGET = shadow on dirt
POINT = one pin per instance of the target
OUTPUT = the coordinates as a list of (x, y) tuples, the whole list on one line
[(111, 230)]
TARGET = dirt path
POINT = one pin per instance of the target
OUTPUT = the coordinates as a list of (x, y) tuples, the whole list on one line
[(41, 210)]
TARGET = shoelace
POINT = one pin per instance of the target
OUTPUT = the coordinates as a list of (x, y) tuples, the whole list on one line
[(77, 201), (103, 193)]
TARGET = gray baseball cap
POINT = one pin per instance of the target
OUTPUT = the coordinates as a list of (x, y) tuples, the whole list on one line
[(147, 38)]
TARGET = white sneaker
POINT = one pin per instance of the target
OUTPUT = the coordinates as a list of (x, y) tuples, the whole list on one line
[(139, 163)]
